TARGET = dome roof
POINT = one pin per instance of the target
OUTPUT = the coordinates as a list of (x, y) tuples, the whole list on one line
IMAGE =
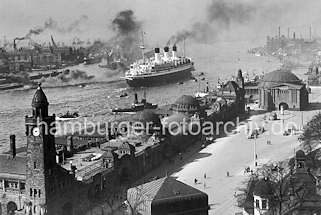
[(176, 118), (187, 100), (39, 99), (281, 76), (263, 188), (148, 116)]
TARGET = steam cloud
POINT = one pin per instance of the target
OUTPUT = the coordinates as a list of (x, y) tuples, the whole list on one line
[(220, 16), (72, 75)]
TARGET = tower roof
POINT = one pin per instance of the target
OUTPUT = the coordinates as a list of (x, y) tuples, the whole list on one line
[(300, 154), (263, 188), (39, 98)]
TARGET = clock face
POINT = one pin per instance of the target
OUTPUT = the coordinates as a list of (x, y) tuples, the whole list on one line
[(36, 132)]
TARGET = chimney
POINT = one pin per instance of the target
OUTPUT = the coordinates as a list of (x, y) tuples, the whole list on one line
[(136, 99), (279, 31), (13, 145), (14, 44), (157, 57), (166, 54), (310, 32), (174, 52)]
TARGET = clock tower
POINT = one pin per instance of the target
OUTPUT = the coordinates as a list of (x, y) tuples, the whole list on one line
[(41, 155)]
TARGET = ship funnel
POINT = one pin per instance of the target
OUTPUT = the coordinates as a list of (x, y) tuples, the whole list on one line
[(166, 54), (174, 52), (157, 56)]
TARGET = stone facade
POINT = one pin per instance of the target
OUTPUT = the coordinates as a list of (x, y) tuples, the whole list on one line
[(282, 89)]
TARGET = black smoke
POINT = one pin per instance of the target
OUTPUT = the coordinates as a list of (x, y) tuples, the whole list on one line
[(127, 38), (220, 15), (125, 23)]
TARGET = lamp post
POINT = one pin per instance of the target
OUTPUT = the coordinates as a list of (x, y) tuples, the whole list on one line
[(255, 155)]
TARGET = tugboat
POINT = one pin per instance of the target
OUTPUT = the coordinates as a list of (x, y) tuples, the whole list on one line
[(160, 69), (67, 116), (136, 106)]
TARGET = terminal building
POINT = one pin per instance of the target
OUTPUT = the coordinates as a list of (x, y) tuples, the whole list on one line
[(282, 89)]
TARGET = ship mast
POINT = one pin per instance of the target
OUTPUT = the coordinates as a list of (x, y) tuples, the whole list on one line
[(184, 47), (142, 47)]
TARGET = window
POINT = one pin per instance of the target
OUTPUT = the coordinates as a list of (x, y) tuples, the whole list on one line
[(39, 193), (35, 192), (257, 203), (30, 192), (264, 204), (35, 164)]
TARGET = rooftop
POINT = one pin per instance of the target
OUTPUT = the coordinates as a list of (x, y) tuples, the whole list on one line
[(12, 166), (278, 77)]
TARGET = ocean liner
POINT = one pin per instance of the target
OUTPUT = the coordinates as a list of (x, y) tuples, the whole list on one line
[(160, 69)]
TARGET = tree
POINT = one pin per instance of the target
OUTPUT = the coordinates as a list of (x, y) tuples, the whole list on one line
[(311, 137), (311, 134)]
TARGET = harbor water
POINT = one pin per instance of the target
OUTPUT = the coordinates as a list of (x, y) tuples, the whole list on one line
[(95, 99)]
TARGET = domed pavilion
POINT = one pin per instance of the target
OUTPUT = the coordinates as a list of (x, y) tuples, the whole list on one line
[(186, 104), (281, 89)]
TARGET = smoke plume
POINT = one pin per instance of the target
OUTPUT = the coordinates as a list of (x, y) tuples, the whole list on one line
[(127, 30), (51, 24), (220, 15), (125, 22)]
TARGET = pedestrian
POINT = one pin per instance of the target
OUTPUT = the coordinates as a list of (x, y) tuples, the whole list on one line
[(204, 175), (195, 181), (227, 174)]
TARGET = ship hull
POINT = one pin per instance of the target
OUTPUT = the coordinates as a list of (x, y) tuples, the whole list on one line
[(162, 78)]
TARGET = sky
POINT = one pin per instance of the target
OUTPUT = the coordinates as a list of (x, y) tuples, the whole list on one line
[(162, 18)]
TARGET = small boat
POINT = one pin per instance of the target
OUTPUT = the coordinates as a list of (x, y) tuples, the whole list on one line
[(201, 74), (180, 83), (67, 116)]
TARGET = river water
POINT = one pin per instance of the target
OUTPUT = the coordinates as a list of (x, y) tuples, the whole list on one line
[(95, 100)]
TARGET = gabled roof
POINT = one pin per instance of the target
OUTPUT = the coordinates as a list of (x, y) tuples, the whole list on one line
[(173, 189), (160, 191)]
